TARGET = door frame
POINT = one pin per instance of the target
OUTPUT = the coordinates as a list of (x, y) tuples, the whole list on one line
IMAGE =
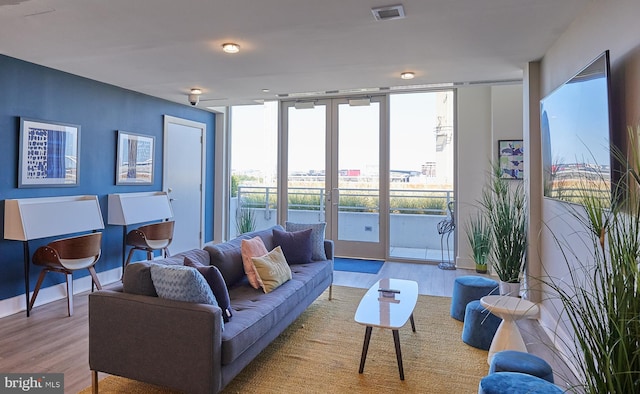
[(370, 250), (165, 168)]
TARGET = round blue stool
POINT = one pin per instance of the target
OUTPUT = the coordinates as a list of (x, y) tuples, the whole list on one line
[(516, 383), (469, 288), (479, 326), (515, 361)]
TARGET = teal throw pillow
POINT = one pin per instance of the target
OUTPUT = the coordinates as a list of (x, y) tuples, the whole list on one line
[(180, 283)]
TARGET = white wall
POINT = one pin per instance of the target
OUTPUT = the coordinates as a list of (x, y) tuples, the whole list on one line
[(611, 25), (485, 114)]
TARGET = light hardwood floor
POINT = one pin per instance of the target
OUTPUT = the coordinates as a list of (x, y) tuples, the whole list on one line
[(51, 342)]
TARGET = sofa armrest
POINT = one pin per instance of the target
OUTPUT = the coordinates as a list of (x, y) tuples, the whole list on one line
[(163, 342), (328, 248)]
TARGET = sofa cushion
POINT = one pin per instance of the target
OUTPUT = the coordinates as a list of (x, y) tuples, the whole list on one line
[(296, 245), (180, 283), (272, 269), (251, 248), (216, 282), (317, 237), (256, 313)]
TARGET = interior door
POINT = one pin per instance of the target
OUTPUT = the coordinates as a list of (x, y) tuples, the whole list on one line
[(183, 177), (332, 168)]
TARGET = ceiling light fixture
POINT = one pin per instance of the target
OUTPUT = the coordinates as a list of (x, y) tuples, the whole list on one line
[(407, 75), (230, 47)]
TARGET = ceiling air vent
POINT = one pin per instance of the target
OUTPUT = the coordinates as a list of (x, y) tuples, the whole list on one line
[(388, 12)]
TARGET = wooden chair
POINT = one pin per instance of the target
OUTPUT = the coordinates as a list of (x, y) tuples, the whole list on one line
[(157, 236), (65, 256)]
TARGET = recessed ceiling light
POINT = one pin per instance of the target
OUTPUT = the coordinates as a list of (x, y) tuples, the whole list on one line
[(407, 75), (230, 47), (265, 90), (196, 91)]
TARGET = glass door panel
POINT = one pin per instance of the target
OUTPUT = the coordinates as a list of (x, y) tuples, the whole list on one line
[(306, 153), (355, 206), (421, 158)]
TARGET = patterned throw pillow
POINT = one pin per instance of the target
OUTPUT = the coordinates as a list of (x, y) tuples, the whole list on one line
[(317, 237), (216, 282), (296, 245), (253, 247), (273, 269), (180, 283)]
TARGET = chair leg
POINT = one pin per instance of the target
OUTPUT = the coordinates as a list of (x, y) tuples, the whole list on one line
[(149, 255), (70, 294), (166, 252), (94, 277), (330, 291), (43, 273), (129, 257), (94, 382)]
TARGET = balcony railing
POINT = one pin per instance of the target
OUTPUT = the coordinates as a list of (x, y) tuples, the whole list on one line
[(414, 214)]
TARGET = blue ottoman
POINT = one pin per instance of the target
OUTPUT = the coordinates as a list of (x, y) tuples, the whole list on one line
[(470, 288), (515, 361), (516, 383), (479, 326)]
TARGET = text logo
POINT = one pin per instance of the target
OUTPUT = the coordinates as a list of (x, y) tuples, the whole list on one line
[(41, 383)]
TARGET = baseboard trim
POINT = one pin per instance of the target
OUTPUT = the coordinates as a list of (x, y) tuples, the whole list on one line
[(17, 304)]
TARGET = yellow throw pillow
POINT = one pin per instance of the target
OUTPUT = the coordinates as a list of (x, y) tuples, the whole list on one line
[(272, 269)]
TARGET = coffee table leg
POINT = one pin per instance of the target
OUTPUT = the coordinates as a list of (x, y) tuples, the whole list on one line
[(413, 324), (396, 340), (365, 348)]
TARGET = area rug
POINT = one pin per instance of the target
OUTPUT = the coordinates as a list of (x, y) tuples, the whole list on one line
[(320, 353), (357, 265)]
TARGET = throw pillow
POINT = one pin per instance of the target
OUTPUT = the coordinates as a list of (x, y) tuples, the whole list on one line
[(253, 247), (180, 283), (216, 282), (296, 245), (273, 269), (317, 237)]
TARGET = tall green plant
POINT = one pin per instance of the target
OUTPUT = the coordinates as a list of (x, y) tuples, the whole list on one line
[(246, 221), (479, 237), (503, 205), (601, 297)]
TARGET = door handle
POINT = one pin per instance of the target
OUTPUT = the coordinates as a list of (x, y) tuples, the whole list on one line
[(335, 190)]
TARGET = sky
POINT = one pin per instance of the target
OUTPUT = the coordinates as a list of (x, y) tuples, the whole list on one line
[(412, 122)]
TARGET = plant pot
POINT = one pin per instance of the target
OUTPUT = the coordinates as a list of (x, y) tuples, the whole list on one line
[(481, 268), (510, 289)]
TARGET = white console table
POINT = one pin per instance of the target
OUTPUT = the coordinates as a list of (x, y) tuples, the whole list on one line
[(132, 208), (34, 218)]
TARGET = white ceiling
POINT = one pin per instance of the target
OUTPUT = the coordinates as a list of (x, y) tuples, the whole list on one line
[(165, 47)]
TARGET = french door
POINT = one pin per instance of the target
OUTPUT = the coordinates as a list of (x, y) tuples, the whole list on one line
[(330, 166)]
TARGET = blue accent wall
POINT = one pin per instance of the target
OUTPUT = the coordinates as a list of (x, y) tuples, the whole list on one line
[(36, 92)]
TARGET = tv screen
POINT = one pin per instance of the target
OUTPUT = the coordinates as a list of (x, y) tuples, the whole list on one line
[(575, 128)]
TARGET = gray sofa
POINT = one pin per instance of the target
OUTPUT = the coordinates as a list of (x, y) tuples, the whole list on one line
[(135, 334)]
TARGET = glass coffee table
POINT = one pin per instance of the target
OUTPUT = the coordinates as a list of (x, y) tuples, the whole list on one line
[(387, 309)]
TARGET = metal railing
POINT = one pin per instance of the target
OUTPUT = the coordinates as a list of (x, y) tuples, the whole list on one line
[(402, 201)]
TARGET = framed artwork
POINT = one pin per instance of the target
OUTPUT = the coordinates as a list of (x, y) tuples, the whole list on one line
[(134, 162), (510, 156), (49, 154)]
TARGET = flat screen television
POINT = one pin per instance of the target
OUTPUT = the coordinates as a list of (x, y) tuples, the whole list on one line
[(576, 135)]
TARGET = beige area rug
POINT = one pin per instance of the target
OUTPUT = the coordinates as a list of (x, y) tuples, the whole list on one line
[(320, 353)]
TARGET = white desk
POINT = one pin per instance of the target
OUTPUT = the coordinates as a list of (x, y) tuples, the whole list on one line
[(375, 310), (510, 309)]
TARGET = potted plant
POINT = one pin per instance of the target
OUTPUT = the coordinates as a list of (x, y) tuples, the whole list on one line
[(600, 294), (479, 236), (503, 205), (246, 221)]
